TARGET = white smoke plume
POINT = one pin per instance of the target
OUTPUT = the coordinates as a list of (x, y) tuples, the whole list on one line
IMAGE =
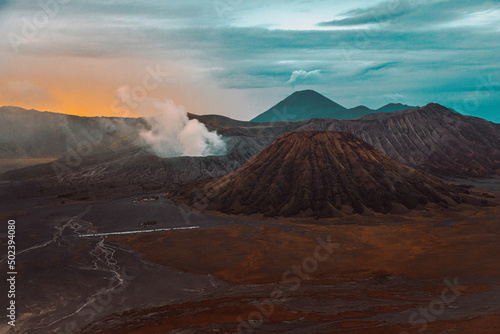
[(171, 133), (302, 77)]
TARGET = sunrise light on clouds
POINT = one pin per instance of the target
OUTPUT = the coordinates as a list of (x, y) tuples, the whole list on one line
[(71, 57)]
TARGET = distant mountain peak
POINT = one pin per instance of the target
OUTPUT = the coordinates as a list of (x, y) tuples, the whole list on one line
[(308, 104), (396, 104), (310, 97), (435, 105), (308, 93), (301, 105), (361, 108), (391, 107)]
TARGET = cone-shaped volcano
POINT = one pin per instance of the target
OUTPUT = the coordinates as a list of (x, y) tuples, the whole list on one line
[(324, 174)]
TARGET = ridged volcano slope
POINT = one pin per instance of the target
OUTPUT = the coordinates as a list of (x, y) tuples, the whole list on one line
[(324, 174)]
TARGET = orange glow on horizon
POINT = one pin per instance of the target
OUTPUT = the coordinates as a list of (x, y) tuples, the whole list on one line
[(85, 86)]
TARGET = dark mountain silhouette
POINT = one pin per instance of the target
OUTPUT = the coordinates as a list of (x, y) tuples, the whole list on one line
[(391, 107), (301, 105), (361, 110), (308, 104), (324, 174), (34, 134)]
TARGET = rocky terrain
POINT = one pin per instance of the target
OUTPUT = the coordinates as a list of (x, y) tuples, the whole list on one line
[(432, 139), (427, 271), (35, 134), (322, 174), (107, 154), (88, 263)]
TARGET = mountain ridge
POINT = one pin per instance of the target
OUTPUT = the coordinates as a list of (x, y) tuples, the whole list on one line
[(322, 174), (309, 104), (432, 139), (391, 107)]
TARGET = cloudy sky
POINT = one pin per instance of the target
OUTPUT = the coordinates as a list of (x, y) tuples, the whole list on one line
[(238, 58)]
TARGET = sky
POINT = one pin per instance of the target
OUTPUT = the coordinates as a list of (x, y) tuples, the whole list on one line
[(239, 58)]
